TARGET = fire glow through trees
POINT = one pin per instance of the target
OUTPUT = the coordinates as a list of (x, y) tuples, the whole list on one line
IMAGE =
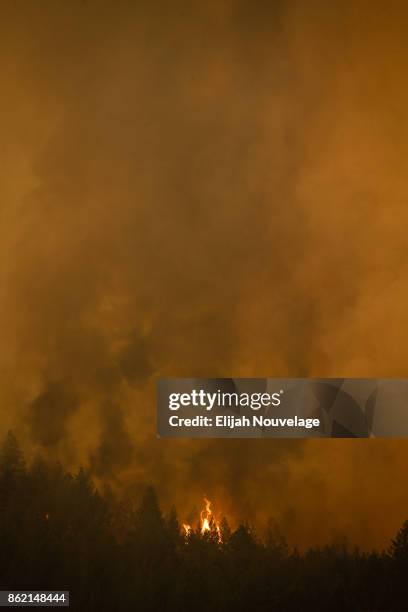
[(208, 523)]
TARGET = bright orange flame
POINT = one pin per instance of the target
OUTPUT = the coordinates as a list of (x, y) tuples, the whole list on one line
[(206, 516), (187, 529), (207, 522)]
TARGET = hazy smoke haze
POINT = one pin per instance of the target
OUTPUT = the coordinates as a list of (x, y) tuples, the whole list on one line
[(205, 189)]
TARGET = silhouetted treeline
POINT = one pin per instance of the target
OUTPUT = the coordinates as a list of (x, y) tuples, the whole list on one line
[(57, 532)]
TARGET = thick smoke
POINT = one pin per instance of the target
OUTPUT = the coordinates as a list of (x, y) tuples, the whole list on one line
[(203, 189)]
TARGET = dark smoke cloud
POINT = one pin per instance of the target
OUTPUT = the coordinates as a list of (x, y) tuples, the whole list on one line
[(48, 413), (115, 448), (202, 189)]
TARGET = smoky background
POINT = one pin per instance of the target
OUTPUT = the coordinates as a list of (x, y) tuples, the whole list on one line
[(204, 189)]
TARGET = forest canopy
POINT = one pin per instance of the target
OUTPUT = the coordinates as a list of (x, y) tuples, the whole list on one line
[(58, 532)]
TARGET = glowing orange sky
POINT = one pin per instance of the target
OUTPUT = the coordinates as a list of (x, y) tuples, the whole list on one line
[(205, 188)]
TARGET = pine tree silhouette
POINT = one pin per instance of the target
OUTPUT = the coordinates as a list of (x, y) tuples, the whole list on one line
[(399, 546), (57, 531)]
